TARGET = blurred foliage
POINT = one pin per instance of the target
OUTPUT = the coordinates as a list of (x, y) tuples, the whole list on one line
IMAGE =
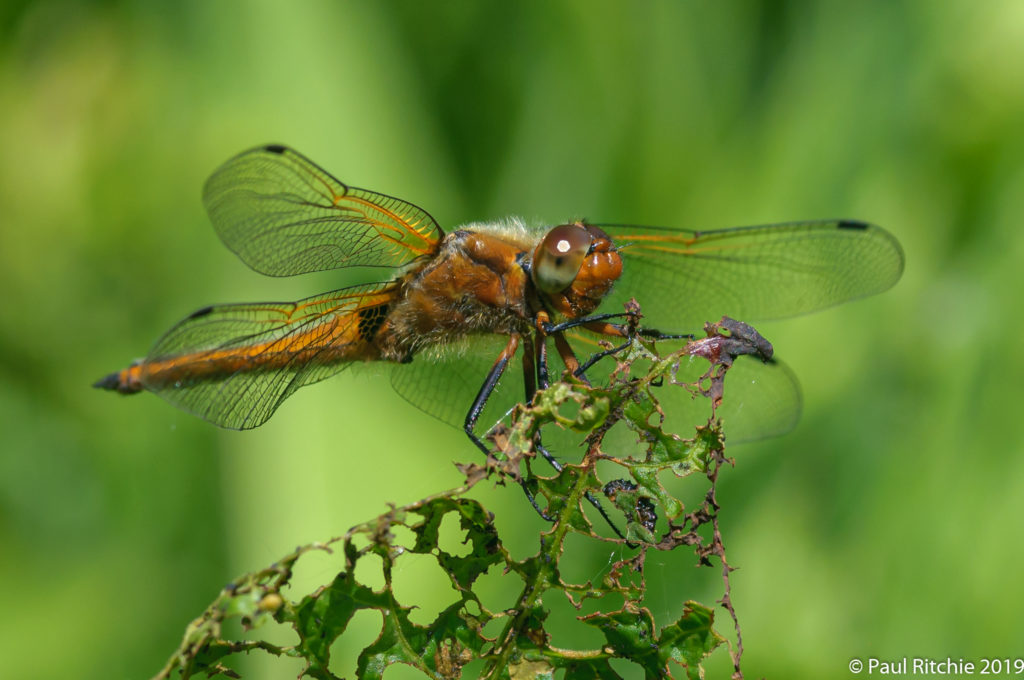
[(884, 525), (518, 644)]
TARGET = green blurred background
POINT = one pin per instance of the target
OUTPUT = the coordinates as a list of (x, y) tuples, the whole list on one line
[(888, 524)]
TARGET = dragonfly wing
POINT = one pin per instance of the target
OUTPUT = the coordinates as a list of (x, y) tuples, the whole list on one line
[(233, 365), (444, 383), (684, 278), (282, 214), (760, 400)]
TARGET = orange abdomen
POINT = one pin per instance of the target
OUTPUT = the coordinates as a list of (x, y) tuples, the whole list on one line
[(345, 338)]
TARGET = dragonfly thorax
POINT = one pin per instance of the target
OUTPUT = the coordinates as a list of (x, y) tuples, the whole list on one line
[(474, 284)]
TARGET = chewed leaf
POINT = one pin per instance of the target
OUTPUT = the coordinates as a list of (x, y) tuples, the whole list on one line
[(510, 635), (689, 640)]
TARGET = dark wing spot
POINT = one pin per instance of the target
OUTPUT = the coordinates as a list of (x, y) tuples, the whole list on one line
[(852, 224), (200, 312), (370, 320), (275, 148)]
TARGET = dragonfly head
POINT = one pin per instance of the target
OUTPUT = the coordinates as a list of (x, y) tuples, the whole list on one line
[(574, 267)]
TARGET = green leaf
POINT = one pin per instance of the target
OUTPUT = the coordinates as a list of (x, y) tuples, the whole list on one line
[(518, 644), (481, 534), (321, 617), (691, 639)]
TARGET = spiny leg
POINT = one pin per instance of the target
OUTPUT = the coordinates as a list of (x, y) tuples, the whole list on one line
[(535, 373), (599, 326), (552, 328), (596, 324), (544, 382), (500, 364)]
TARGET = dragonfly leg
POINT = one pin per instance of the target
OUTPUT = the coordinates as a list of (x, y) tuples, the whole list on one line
[(597, 356), (541, 351), (591, 498), (539, 364), (598, 323), (595, 324), (619, 331), (500, 364), (530, 374), (551, 328), (569, 357), (543, 382), (655, 334)]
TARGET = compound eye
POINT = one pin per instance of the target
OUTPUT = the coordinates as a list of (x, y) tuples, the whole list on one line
[(558, 258)]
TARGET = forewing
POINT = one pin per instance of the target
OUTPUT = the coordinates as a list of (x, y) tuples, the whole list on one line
[(684, 278), (282, 214), (233, 365)]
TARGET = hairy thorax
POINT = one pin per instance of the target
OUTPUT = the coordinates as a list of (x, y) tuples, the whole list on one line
[(474, 284)]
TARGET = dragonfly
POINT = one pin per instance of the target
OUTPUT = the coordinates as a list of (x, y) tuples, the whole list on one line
[(452, 311)]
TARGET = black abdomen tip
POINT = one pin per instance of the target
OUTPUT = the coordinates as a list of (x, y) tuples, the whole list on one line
[(108, 382), (853, 224), (119, 382)]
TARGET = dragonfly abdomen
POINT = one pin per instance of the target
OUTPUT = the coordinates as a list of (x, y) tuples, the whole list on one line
[(345, 339)]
